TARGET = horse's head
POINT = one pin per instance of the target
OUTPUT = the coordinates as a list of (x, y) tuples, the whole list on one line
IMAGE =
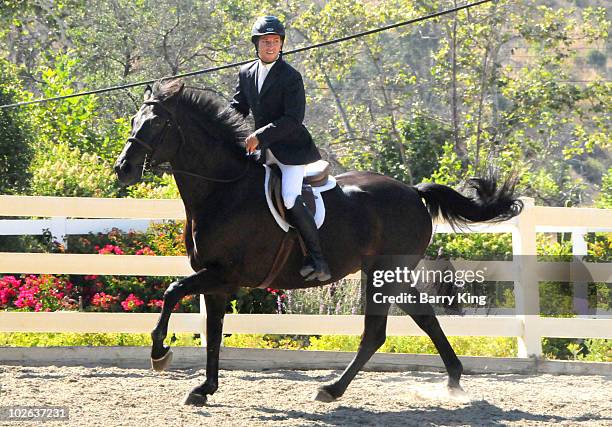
[(155, 132)]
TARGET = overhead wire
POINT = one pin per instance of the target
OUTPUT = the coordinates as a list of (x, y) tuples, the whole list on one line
[(239, 63)]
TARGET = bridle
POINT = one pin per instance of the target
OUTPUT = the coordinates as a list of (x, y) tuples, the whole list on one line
[(170, 121)]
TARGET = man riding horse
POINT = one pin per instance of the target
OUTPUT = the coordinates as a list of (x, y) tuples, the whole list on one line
[(371, 216), (274, 92)]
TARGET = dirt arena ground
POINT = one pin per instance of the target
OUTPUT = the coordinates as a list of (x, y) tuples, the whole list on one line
[(135, 397)]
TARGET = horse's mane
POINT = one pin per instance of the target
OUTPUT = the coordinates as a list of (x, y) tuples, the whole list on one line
[(220, 119)]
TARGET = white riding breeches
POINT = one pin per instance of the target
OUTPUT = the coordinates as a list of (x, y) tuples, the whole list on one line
[(291, 182)]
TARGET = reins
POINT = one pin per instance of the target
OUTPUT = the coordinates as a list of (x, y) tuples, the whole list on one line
[(169, 122)]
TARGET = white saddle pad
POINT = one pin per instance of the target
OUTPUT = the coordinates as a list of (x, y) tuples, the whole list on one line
[(319, 214)]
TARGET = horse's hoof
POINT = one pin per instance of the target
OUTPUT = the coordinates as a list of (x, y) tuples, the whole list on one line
[(456, 392), (194, 399), (162, 363), (323, 395)]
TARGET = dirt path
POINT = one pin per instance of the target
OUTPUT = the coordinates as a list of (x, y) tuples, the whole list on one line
[(133, 397)]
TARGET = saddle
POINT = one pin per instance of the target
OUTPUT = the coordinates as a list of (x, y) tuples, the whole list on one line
[(316, 180), (315, 175)]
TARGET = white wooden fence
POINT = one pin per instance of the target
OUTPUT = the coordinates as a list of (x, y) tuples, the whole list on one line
[(529, 329)]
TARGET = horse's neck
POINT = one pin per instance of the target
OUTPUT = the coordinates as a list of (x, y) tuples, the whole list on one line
[(202, 156)]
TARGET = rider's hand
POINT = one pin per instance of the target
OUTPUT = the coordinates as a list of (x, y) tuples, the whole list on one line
[(251, 143)]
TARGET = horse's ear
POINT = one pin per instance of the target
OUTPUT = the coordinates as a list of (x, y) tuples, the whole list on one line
[(148, 92), (173, 87)]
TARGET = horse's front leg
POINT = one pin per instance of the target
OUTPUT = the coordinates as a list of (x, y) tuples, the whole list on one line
[(215, 311), (206, 280)]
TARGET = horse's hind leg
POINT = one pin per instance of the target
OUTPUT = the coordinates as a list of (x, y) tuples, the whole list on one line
[(373, 337), (215, 311), (425, 318)]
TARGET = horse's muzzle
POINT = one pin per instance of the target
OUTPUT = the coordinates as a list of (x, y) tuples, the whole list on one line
[(126, 172)]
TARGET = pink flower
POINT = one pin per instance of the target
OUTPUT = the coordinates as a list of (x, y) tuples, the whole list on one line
[(9, 286), (91, 277), (103, 300), (160, 303), (145, 251), (110, 249), (44, 292), (131, 303), (156, 303)]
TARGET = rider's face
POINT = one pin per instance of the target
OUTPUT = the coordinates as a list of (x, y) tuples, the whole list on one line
[(269, 47)]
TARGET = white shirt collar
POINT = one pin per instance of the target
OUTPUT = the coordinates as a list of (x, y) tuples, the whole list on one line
[(267, 66)]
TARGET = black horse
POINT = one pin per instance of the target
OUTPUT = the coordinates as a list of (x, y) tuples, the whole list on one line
[(232, 239)]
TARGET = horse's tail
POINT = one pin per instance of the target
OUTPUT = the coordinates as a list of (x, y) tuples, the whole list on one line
[(490, 203)]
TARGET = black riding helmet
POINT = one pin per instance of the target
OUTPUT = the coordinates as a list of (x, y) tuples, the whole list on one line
[(267, 25)]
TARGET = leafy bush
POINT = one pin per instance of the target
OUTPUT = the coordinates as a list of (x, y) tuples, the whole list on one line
[(286, 342), (35, 339), (15, 143), (473, 246), (75, 122), (155, 187), (58, 170), (590, 349), (597, 350), (468, 346), (342, 297), (604, 200), (594, 350)]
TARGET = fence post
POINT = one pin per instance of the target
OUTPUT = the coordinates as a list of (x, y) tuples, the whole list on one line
[(581, 289), (526, 286)]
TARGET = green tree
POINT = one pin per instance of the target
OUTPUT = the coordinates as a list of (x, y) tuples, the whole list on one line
[(534, 106), (604, 200), (15, 142)]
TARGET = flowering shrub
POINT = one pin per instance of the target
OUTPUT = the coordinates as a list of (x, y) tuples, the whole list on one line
[(94, 293), (129, 293), (257, 301), (145, 251), (156, 303), (37, 293), (110, 249), (110, 293), (9, 288), (131, 303), (103, 301)]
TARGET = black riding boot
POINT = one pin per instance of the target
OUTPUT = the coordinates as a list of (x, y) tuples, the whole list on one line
[(315, 266)]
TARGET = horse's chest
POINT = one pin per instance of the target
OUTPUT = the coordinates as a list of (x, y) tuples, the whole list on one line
[(212, 239)]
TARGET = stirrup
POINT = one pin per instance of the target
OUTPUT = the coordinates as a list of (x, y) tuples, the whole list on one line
[(310, 271), (308, 266), (321, 276)]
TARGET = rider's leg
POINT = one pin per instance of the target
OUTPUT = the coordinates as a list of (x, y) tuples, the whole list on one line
[(301, 218)]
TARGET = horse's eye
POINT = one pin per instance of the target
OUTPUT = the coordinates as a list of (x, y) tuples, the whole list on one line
[(156, 122)]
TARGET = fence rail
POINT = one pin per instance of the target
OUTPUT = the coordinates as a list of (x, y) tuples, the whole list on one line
[(74, 216)]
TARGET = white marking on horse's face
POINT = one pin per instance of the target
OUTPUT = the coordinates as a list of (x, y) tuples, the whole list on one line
[(352, 189)]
